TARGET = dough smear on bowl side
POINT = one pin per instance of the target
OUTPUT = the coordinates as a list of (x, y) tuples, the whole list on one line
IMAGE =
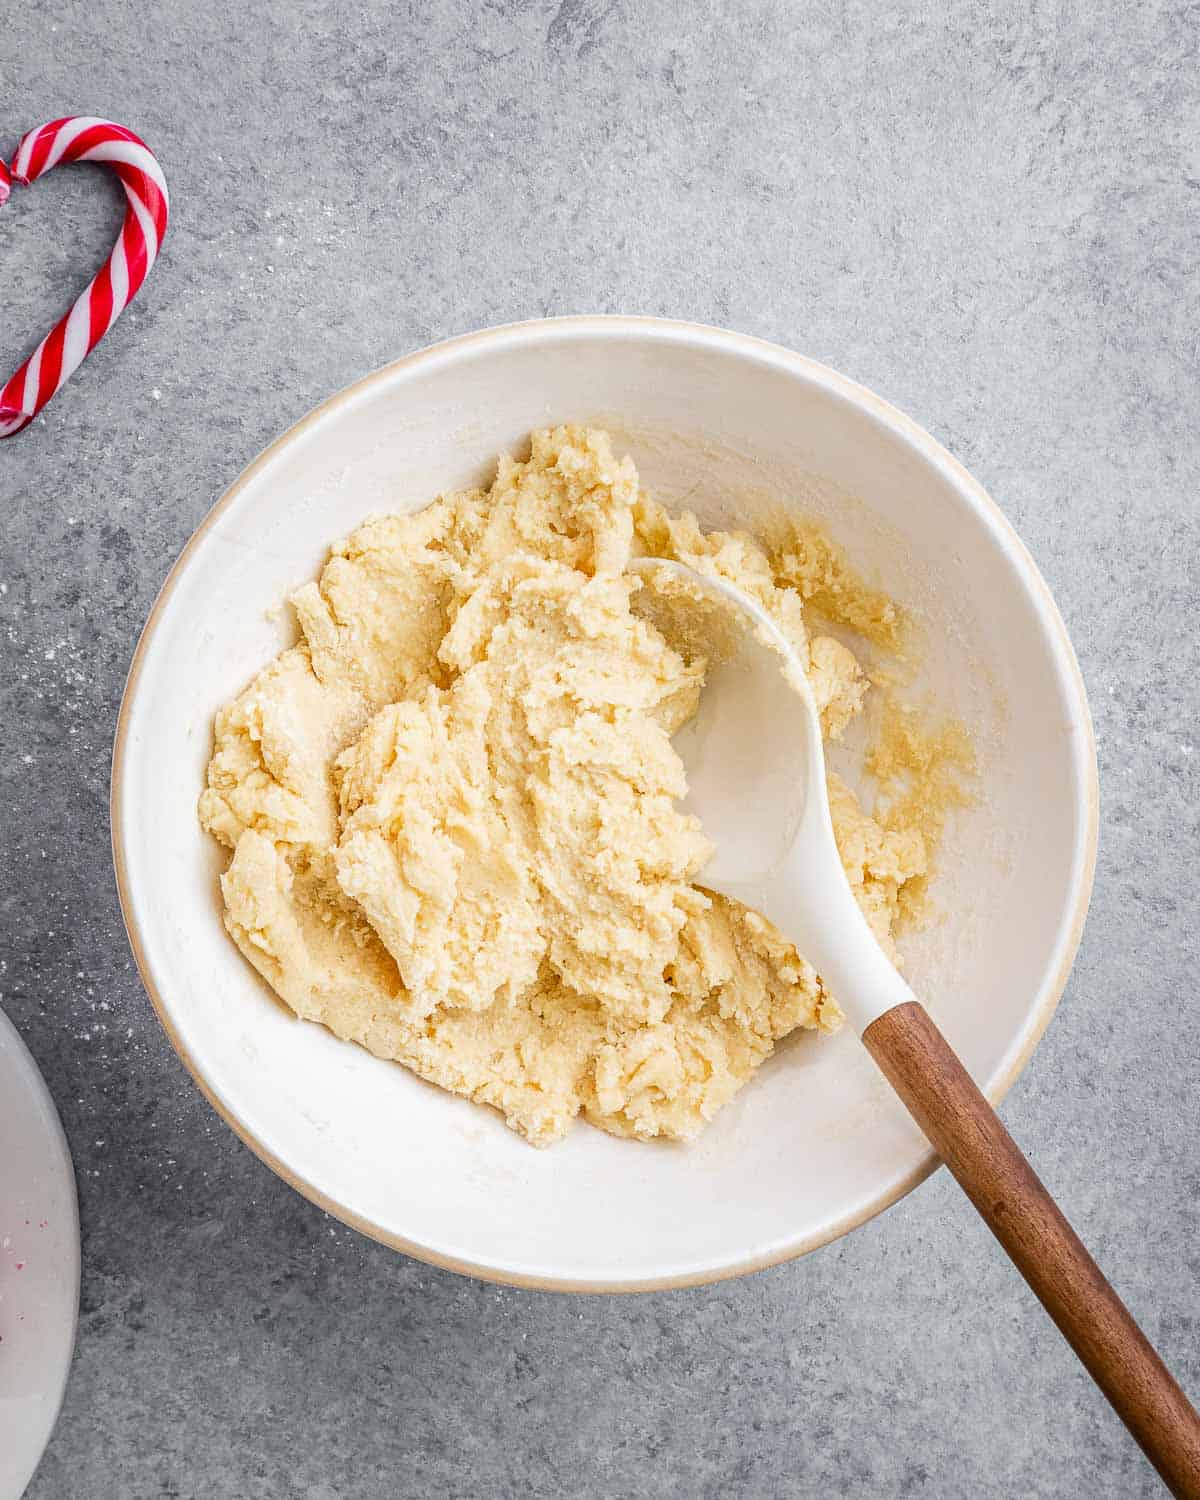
[(453, 807)]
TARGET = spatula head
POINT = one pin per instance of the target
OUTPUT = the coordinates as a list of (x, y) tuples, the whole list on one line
[(753, 750), (756, 777)]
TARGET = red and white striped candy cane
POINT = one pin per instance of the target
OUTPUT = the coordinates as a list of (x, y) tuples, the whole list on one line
[(63, 350)]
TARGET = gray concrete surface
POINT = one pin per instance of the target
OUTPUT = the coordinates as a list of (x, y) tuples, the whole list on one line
[(985, 212)]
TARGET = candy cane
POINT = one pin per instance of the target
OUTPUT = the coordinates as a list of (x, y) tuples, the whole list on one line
[(63, 350)]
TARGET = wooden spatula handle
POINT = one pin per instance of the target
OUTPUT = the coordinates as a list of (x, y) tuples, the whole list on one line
[(967, 1134)]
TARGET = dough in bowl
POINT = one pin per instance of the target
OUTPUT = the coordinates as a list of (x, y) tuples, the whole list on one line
[(452, 809)]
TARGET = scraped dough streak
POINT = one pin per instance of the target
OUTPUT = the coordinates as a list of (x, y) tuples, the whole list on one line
[(453, 809)]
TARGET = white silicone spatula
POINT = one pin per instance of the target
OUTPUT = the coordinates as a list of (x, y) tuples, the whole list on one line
[(756, 771)]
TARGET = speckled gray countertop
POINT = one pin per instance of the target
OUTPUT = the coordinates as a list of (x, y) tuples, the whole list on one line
[(987, 213)]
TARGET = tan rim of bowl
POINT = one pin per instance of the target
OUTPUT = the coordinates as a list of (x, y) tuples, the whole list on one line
[(618, 326)]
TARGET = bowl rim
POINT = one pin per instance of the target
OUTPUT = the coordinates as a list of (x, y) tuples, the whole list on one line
[(969, 490)]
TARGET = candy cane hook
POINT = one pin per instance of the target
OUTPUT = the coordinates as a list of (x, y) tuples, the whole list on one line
[(63, 350)]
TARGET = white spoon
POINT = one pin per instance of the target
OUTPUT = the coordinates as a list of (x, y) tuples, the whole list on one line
[(756, 772)]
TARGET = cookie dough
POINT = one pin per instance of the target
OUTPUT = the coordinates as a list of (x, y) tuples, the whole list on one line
[(453, 807)]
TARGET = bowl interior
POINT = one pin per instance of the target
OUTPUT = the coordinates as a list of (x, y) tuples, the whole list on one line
[(737, 431)]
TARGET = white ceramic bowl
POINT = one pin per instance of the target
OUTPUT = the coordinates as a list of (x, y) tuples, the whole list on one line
[(39, 1263), (815, 1144)]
